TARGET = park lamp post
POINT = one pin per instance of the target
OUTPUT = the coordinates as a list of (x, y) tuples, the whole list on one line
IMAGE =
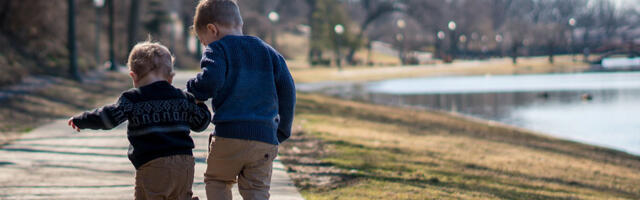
[(400, 37), (463, 44), (572, 24), (98, 5), (339, 29), (452, 28), (440, 37), (498, 38), (274, 17)]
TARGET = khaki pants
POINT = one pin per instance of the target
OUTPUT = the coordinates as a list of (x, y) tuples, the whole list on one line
[(168, 177), (247, 162)]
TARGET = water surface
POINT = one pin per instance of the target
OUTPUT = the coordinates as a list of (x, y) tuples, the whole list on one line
[(596, 108)]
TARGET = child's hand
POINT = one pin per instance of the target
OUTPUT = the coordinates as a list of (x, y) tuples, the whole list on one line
[(70, 123)]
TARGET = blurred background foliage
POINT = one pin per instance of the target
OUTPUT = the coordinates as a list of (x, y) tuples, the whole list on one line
[(33, 32)]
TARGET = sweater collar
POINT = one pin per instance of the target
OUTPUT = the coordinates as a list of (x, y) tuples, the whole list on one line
[(156, 84)]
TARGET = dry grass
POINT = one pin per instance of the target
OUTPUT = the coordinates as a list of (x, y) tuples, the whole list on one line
[(530, 65), (295, 48), (397, 153), (60, 99)]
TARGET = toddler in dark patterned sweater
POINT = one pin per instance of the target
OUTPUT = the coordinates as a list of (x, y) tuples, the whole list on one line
[(160, 118)]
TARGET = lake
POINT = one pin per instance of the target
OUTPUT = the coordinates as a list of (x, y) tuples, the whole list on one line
[(595, 108)]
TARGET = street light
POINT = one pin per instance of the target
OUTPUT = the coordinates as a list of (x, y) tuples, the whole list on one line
[(98, 3), (274, 17), (499, 39), (452, 25), (572, 23), (439, 38), (464, 45), (401, 23), (441, 35), (463, 38), (339, 29), (400, 37), (454, 42)]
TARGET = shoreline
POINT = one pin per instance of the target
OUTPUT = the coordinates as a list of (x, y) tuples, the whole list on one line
[(351, 90), (479, 121), (495, 66), (488, 122), (344, 146)]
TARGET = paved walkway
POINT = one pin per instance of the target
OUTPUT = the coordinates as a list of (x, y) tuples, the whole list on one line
[(53, 162)]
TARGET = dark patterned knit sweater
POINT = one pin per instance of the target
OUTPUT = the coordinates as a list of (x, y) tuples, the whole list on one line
[(253, 94), (160, 118)]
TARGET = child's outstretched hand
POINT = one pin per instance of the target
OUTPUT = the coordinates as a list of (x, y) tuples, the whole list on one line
[(70, 123)]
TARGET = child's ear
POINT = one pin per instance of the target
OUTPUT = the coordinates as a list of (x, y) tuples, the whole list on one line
[(213, 29), (170, 78), (133, 76)]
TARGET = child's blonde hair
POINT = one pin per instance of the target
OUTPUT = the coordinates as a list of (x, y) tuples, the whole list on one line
[(219, 12), (150, 56)]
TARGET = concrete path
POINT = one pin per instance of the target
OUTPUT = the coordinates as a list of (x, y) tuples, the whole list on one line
[(53, 162)]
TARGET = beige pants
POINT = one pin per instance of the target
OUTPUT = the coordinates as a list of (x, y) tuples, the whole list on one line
[(247, 162), (168, 177)]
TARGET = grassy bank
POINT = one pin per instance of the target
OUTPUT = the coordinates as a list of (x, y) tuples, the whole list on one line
[(529, 65), (351, 150), (55, 98)]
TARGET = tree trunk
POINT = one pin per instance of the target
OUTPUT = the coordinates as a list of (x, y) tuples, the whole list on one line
[(112, 53), (438, 46), (6, 9), (186, 24), (71, 42), (97, 36), (350, 56), (352, 48), (132, 26), (550, 51), (585, 45), (514, 52), (369, 54), (312, 8)]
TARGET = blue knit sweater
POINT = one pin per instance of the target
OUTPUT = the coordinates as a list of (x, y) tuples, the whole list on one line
[(253, 94)]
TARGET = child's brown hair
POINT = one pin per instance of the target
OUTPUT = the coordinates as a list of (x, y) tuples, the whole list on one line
[(219, 12), (149, 56)]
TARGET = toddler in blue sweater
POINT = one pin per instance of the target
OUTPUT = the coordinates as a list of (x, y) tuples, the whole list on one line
[(253, 96)]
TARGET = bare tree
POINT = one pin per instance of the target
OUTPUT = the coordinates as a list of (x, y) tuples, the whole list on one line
[(133, 24), (374, 9)]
